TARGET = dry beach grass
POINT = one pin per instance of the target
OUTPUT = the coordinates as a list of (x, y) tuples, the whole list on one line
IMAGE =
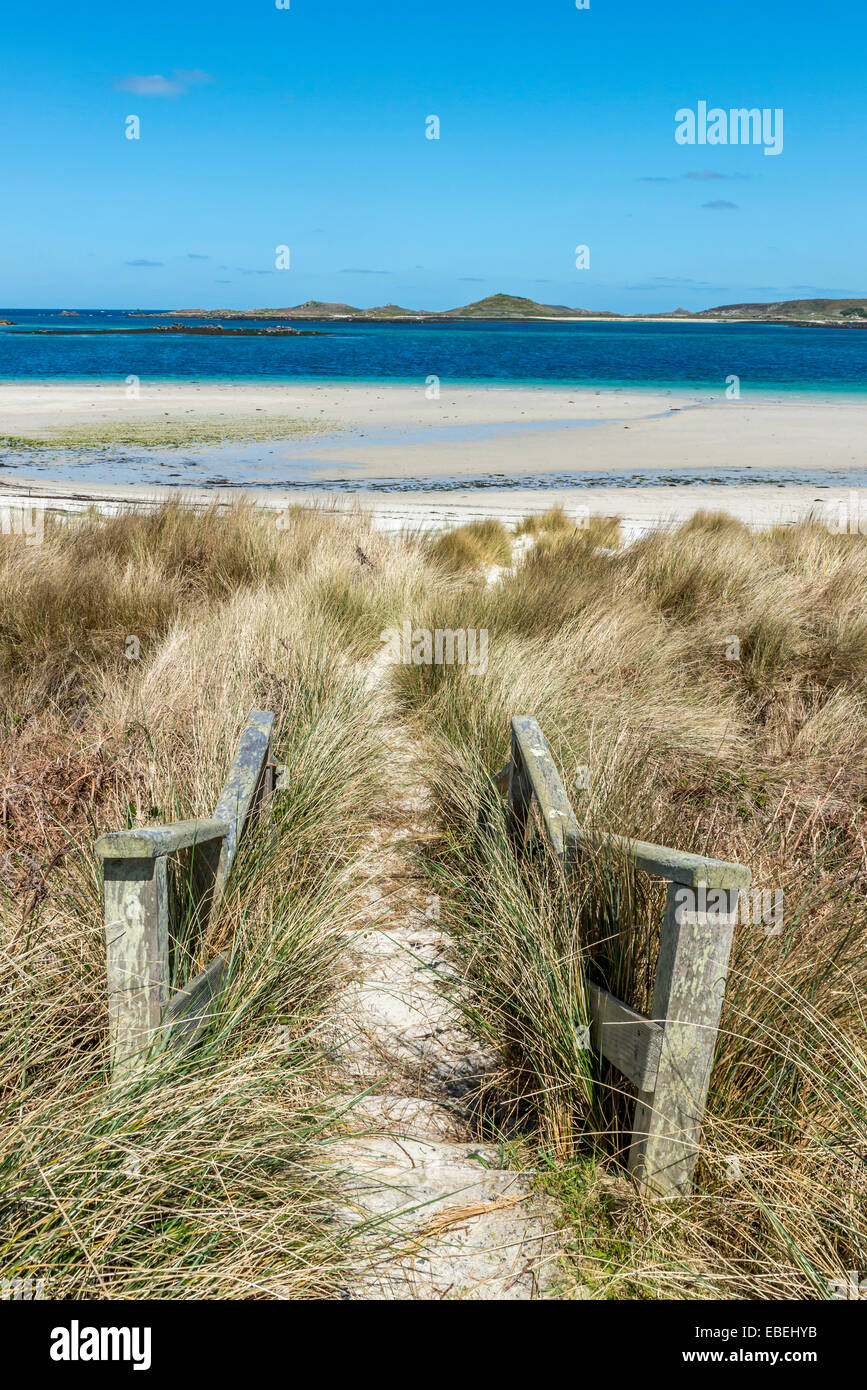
[(203, 1179), (623, 657), (207, 1177)]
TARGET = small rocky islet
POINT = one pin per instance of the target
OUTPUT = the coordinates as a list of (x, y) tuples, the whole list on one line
[(210, 330)]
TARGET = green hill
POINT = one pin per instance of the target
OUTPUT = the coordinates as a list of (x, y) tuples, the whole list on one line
[(802, 310), (392, 311), (513, 306), (510, 306), (494, 306)]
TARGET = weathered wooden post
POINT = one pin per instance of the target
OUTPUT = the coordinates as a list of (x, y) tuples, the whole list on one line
[(688, 995), (539, 775), (137, 931), (137, 928), (668, 1057), (137, 953)]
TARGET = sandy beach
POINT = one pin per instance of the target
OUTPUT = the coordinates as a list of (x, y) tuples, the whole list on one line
[(497, 439), (641, 509)]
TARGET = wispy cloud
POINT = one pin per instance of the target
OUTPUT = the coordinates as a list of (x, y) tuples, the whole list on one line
[(720, 205), (142, 261), (661, 282), (683, 282), (694, 175), (704, 175), (196, 256), (155, 85), (473, 279), (359, 270)]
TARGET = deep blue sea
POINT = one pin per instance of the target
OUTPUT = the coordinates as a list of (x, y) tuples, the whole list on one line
[(688, 356)]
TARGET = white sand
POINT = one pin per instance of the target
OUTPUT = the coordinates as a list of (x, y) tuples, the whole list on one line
[(395, 431), (641, 509), (33, 407)]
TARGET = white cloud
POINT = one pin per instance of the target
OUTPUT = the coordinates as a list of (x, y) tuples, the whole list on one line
[(155, 85)]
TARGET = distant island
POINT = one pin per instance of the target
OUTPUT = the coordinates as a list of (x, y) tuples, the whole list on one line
[(496, 306), (834, 312), (213, 329)]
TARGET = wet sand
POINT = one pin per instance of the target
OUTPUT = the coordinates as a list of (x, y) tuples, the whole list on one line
[(478, 448)]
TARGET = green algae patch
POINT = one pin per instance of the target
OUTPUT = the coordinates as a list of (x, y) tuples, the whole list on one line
[(169, 433)]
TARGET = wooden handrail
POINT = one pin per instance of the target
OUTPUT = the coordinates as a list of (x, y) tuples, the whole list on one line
[(151, 841), (674, 865), (668, 1057), (564, 832), (136, 904), (533, 772), (250, 780)]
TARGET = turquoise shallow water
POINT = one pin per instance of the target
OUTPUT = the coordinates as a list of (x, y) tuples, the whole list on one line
[(678, 356), (678, 359)]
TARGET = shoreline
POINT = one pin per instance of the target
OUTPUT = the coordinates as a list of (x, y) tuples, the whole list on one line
[(353, 315), (692, 391), (641, 510), (340, 433)]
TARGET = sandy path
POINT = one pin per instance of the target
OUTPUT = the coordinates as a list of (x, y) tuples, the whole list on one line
[(450, 1221)]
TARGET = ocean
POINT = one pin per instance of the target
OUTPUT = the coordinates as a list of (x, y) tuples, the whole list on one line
[(677, 356)]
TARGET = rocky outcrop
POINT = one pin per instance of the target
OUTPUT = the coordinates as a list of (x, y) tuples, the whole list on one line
[(215, 330)]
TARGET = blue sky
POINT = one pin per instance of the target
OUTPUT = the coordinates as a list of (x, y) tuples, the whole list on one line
[(306, 127)]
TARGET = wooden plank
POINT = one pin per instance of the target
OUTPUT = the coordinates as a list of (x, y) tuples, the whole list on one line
[(557, 814), (152, 841), (190, 1010), (136, 904), (137, 956), (693, 870), (687, 998), (678, 866), (669, 1056), (243, 787), (624, 1037)]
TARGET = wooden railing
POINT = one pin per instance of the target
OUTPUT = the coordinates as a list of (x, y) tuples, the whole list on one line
[(143, 1012), (668, 1057)]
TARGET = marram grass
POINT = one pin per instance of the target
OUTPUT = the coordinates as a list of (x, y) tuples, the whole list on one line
[(712, 679)]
